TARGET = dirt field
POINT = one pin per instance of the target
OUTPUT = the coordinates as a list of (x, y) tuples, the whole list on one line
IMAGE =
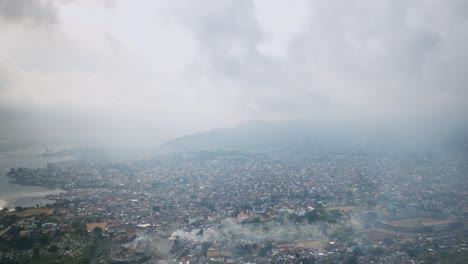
[(304, 244), (344, 209), (376, 235), (90, 226), (419, 222), (29, 212)]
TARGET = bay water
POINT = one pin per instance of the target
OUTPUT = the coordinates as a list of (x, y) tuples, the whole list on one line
[(26, 156)]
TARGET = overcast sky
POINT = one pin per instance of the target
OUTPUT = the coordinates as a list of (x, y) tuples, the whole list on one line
[(144, 71)]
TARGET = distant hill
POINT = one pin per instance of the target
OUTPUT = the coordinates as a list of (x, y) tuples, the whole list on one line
[(263, 135)]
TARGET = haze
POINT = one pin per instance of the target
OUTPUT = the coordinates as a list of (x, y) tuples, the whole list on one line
[(138, 72)]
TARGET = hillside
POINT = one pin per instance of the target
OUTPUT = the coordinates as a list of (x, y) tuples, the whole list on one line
[(263, 135)]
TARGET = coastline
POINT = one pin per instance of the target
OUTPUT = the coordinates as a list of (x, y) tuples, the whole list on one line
[(27, 196), (14, 194)]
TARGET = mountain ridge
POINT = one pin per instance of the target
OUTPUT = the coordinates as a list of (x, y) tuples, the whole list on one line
[(265, 135)]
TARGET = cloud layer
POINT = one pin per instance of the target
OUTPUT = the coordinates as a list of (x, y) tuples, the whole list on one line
[(157, 69), (33, 12)]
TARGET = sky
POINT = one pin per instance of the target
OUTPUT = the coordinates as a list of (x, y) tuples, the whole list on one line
[(139, 72)]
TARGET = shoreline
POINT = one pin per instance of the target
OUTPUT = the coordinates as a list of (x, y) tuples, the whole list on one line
[(26, 201), (26, 194), (29, 198), (51, 187)]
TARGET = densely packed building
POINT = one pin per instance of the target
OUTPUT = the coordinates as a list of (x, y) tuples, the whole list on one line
[(236, 207)]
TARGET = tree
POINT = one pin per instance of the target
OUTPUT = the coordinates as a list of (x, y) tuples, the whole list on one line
[(5, 260), (325, 216), (97, 231), (200, 233), (263, 251), (36, 253), (343, 234), (205, 247), (378, 251), (308, 260), (53, 249), (44, 239), (296, 218), (352, 260), (79, 228), (370, 217), (335, 213), (22, 243), (312, 216), (357, 251)]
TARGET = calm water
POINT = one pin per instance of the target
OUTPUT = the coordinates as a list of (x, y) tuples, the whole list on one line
[(12, 195)]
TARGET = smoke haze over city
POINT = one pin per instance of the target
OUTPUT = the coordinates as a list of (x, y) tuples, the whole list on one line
[(233, 131)]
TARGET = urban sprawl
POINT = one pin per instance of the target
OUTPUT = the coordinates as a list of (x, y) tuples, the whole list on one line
[(239, 207)]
